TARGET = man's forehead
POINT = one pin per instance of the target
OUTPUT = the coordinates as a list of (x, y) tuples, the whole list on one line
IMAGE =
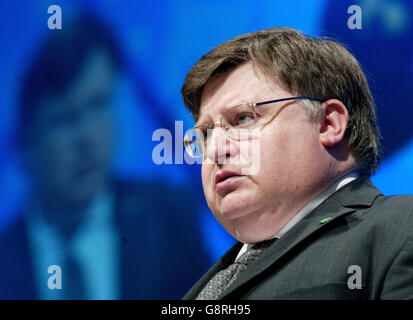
[(243, 84)]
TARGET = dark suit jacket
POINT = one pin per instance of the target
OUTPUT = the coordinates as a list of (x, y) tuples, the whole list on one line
[(312, 260), (154, 222)]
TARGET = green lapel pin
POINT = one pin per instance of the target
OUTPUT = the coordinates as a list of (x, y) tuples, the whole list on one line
[(324, 220)]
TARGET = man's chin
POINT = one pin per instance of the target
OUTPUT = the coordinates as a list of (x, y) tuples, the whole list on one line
[(234, 206), (246, 229)]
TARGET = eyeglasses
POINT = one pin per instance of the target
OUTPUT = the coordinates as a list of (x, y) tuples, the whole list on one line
[(237, 122)]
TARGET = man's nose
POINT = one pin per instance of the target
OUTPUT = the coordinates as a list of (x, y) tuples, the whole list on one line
[(219, 147)]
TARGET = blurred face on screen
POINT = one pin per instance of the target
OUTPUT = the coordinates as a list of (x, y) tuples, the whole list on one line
[(71, 137)]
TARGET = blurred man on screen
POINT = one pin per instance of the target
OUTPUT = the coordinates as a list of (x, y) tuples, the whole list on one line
[(86, 234)]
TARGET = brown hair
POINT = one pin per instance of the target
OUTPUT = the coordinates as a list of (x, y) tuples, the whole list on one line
[(305, 66)]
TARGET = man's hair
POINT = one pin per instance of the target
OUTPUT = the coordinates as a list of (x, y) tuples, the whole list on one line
[(303, 65)]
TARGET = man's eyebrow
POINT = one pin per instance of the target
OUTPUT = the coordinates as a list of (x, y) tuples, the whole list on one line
[(224, 108), (221, 110), (200, 121)]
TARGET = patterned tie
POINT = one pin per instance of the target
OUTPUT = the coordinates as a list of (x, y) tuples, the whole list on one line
[(224, 278)]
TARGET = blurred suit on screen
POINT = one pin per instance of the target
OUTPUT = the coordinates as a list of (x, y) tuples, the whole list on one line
[(112, 239)]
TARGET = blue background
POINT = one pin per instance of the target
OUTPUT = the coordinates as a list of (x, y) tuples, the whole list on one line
[(163, 39)]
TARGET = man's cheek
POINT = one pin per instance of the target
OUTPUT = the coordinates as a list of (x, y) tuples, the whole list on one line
[(250, 156)]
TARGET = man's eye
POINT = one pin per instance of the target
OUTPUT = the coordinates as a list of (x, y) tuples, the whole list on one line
[(243, 119)]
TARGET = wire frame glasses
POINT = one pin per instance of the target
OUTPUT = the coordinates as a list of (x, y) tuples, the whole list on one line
[(237, 123)]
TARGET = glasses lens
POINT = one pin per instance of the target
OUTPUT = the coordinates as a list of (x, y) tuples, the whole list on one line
[(194, 143), (239, 121)]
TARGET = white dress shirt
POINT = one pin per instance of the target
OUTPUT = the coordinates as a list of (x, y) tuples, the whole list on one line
[(314, 203)]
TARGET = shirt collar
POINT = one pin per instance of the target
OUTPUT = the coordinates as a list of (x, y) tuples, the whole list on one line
[(314, 203)]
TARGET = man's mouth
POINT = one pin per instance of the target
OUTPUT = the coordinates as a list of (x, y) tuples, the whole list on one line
[(226, 181)]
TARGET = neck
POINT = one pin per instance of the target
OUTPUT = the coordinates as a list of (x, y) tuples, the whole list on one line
[(275, 222)]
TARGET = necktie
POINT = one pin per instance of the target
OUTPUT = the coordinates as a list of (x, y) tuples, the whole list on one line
[(73, 282), (224, 278)]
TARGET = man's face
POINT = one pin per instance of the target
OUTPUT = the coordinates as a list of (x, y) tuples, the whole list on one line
[(71, 137), (254, 207)]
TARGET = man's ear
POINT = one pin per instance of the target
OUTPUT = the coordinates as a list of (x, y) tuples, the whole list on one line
[(334, 123)]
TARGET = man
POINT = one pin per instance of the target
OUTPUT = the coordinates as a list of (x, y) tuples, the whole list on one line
[(309, 223), (109, 238)]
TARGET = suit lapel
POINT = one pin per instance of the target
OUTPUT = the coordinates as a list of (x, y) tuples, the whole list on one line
[(359, 193)]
